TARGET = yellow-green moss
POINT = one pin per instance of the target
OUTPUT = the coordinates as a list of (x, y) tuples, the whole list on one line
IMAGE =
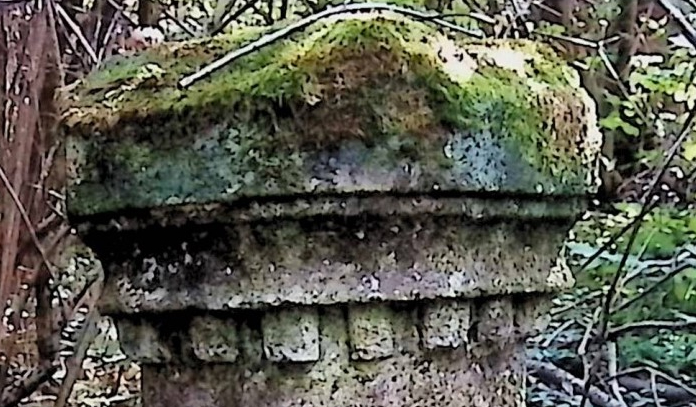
[(368, 78)]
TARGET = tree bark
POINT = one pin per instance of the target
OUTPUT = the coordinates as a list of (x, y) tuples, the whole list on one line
[(30, 75)]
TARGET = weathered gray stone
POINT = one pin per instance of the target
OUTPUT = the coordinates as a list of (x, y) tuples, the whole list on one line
[(142, 341), (495, 320), (446, 323), (532, 314), (291, 335), (370, 331), (388, 244), (214, 339), (411, 376), (400, 258)]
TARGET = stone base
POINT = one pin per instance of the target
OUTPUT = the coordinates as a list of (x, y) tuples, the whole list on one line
[(372, 356)]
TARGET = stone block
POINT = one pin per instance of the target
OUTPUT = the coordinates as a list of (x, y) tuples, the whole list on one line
[(214, 339), (370, 331), (446, 323), (532, 314), (291, 335), (495, 319), (142, 342)]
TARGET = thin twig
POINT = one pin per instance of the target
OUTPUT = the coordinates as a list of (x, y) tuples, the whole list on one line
[(609, 299), (613, 240), (179, 23), (648, 325), (688, 264), (107, 38), (541, 5), (309, 20), (549, 340), (574, 305), (118, 7), (78, 32), (602, 52), (26, 219), (582, 347), (229, 18), (653, 387), (612, 355), (646, 268), (689, 30)]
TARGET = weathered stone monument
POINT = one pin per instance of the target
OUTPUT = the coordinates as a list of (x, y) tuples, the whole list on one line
[(368, 213)]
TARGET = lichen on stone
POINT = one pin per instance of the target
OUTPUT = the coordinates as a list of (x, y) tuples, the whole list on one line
[(374, 91)]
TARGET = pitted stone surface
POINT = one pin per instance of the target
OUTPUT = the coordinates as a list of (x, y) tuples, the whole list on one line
[(346, 260), (532, 314), (214, 339), (421, 112), (411, 376), (446, 323), (370, 331), (381, 246), (291, 335), (495, 320), (142, 341)]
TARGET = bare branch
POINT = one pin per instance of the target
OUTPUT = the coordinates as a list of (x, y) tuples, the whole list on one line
[(179, 23), (610, 296), (307, 21), (229, 18), (552, 375), (25, 217), (615, 388), (78, 32), (25, 387), (689, 30), (648, 326), (653, 387)]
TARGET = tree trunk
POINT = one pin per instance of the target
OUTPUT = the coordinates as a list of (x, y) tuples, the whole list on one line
[(30, 74)]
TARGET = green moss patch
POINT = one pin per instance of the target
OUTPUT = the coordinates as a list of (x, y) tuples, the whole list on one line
[(389, 89)]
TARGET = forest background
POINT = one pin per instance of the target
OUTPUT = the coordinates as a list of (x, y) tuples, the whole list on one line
[(624, 336)]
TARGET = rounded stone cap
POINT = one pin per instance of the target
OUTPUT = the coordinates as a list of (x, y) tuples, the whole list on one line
[(361, 103)]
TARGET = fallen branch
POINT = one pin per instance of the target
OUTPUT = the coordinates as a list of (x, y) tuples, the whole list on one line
[(309, 20), (675, 391), (667, 392), (25, 387), (557, 377), (647, 326), (608, 305)]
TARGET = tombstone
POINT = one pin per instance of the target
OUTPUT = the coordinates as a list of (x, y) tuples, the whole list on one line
[(366, 213)]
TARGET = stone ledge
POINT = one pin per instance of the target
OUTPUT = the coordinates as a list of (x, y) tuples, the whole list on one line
[(256, 265), (298, 335), (477, 207)]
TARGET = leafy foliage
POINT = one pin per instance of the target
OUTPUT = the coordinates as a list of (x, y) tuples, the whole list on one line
[(643, 106)]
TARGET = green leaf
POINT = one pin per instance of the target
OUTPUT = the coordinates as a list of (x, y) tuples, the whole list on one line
[(690, 151)]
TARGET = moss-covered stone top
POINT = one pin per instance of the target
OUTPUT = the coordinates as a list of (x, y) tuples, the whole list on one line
[(364, 102)]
